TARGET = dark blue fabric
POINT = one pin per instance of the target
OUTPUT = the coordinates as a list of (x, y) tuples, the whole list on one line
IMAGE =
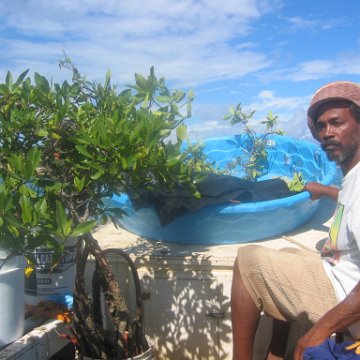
[(330, 350)]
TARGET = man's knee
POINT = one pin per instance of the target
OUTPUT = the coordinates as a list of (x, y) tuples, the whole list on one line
[(249, 254)]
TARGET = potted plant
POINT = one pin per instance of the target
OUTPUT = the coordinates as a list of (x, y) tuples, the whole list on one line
[(255, 160), (72, 145), (21, 219), (27, 219)]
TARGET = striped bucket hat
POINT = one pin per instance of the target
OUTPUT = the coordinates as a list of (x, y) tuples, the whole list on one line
[(339, 90)]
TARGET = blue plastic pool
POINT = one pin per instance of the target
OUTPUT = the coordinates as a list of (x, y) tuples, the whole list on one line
[(246, 222)]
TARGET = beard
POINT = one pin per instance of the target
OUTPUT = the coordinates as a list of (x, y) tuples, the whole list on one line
[(341, 155)]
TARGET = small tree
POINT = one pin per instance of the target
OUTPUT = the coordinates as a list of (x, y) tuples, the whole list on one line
[(27, 219), (255, 159), (65, 149)]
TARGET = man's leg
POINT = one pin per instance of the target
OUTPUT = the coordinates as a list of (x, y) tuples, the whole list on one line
[(245, 318), (279, 338)]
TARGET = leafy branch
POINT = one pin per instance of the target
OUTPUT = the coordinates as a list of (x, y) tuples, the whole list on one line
[(255, 157)]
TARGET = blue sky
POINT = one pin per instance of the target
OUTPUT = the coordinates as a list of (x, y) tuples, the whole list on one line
[(270, 55)]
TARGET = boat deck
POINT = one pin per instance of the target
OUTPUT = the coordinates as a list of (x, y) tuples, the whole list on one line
[(186, 291)]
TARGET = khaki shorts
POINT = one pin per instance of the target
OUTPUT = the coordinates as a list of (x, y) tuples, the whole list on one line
[(287, 284)]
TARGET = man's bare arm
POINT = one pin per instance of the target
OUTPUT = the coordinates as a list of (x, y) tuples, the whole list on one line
[(337, 319), (318, 190)]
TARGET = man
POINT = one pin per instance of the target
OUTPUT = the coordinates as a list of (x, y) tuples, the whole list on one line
[(296, 286)]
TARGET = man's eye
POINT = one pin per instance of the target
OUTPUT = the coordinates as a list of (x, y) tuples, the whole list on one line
[(337, 123)]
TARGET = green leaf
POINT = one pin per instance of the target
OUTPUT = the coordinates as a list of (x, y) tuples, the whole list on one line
[(14, 230), (42, 83), (174, 160), (79, 183), (165, 133), (191, 95), (32, 161), (62, 221), (124, 163), (26, 209), (3, 89), (152, 139), (197, 195), (16, 162), (297, 183), (140, 81), (163, 99), (60, 215), (20, 78), (200, 177), (174, 108), (41, 206), (9, 80), (55, 136), (42, 132), (27, 190), (82, 150), (181, 132), (12, 220), (179, 95), (83, 228), (97, 175), (26, 89), (188, 110), (107, 80)]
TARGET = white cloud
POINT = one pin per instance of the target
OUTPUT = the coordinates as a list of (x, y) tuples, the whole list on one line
[(267, 99), (296, 125), (292, 122), (190, 43), (318, 69), (291, 112), (188, 40), (298, 23)]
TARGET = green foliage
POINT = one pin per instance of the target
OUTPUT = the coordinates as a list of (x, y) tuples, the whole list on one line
[(254, 161), (297, 183), (65, 147)]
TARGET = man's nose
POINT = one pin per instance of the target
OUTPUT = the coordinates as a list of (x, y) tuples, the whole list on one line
[(329, 131)]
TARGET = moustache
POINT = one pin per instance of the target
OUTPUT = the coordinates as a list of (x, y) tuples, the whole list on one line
[(330, 142)]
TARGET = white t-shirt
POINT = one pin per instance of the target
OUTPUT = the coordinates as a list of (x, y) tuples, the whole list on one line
[(342, 249)]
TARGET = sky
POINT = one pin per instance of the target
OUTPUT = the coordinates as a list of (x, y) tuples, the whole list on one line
[(268, 55)]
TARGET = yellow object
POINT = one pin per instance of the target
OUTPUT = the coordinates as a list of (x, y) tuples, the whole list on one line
[(29, 268), (356, 346)]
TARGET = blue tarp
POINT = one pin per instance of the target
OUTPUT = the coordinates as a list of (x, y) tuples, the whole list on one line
[(330, 350)]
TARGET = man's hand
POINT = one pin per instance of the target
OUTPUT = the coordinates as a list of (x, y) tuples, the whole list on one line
[(340, 317), (318, 190), (313, 337)]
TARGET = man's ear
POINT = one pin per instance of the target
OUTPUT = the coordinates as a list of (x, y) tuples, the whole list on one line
[(312, 128)]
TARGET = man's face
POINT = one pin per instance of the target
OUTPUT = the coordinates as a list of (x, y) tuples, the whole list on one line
[(339, 133)]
